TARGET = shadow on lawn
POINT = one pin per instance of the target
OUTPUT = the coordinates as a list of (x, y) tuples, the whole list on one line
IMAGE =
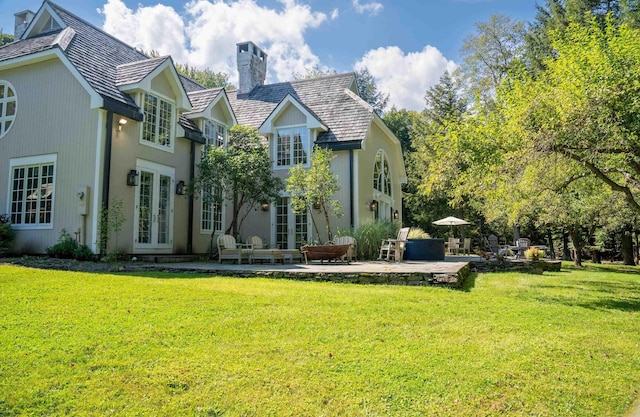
[(595, 295)]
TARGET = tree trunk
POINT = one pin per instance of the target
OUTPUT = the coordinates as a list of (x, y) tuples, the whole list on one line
[(574, 234), (552, 252), (566, 254), (627, 248)]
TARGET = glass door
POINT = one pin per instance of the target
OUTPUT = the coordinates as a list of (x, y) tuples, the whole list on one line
[(291, 230), (154, 207)]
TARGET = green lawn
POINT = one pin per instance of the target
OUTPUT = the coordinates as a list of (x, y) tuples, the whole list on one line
[(557, 344)]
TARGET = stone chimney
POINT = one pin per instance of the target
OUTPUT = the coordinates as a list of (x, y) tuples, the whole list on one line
[(252, 67), (22, 22)]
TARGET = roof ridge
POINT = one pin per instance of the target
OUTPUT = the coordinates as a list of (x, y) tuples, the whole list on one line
[(306, 80), (159, 58), (83, 21)]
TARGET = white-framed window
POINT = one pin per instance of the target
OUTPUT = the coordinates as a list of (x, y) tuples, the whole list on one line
[(382, 174), (32, 191), (215, 134), (292, 147), (8, 106), (211, 216), (157, 127)]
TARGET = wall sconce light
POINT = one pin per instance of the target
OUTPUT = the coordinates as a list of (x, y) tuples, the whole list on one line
[(132, 178), (396, 215), (121, 123), (316, 205), (265, 206), (373, 205), (181, 188)]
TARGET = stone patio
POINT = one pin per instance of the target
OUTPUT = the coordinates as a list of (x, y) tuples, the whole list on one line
[(449, 273)]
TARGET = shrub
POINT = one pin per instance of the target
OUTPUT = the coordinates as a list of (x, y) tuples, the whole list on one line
[(418, 233), (370, 235), (83, 253), (7, 234), (534, 254), (65, 248)]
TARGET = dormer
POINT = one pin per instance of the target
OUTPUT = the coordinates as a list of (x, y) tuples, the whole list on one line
[(45, 21), (293, 128), (213, 114)]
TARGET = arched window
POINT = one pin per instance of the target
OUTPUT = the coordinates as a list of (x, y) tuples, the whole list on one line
[(8, 106), (382, 174), (382, 191)]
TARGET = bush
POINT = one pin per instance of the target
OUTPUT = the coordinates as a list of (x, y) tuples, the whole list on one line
[(83, 253), (418, 233), (370, 235), (7, 234), (534, 254), (65, 248)]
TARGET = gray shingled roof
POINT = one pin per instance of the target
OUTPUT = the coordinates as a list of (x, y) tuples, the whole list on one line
[(29, 46), (134, 72), (201, 99), (329, 98)]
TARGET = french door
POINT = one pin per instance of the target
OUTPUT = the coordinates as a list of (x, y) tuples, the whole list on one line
[(291, 230), (153, 217)]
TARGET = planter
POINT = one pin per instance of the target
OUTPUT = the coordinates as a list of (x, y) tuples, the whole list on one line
[(324, 252), (424, 250)]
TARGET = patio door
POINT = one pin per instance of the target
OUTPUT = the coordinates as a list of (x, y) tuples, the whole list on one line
[(291, 230), (153, 217)]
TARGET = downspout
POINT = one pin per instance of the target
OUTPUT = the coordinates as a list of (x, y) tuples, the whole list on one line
[(351, 188), (192, 161), (106, 173)]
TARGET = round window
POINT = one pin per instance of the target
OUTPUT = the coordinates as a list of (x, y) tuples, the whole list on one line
[(8, 106)]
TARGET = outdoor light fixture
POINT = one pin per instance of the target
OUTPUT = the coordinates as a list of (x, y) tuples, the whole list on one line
[(316, 205), (373, 205), (132, 178), (121, 123), (181, 188), (396, 215), (265, 206)]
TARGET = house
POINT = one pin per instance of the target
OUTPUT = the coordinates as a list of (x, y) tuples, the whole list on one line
[(87, 121)]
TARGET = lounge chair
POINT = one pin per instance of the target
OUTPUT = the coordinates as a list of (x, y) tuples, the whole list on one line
[(229, 249), (347, 240), (393, 249)]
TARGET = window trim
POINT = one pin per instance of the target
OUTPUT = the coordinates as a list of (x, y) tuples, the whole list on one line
[(172, 131), (14, 99), (28, 161), (217, 124), (307, 149), (208, 231)]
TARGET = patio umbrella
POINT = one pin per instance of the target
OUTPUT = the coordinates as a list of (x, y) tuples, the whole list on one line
[(450, 221)]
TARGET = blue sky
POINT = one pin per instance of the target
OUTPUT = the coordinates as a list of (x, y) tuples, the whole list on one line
[(405, 44)]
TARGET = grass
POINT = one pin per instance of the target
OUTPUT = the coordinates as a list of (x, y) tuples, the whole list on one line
[(73, 343)]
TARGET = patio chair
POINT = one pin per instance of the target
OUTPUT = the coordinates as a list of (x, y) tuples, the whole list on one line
[(493, 244), (453, 246), (229, 249), (347, 240), (522, 245), (393, 249), (466, 246)]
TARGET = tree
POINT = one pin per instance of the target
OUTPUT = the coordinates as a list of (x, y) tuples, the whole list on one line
[(445, 102), (314, 72), (5, 38), (401, 123), (585, 108), (315, 186), (205, 77), (241, 173), (490, 54), (368, 91)]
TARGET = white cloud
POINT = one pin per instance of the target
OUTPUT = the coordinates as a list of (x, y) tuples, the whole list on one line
[(372, 8), (406, 77), (205, 35), (335, 13)]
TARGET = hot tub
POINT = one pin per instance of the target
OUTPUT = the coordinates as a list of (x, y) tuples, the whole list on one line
[(424, 250)]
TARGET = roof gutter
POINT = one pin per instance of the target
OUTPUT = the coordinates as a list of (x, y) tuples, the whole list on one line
[(122, 109), (344, 145)]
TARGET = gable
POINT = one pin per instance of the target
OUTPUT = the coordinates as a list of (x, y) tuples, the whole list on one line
[(161, 84), (45, 21), (290, 116), (281, 110)]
